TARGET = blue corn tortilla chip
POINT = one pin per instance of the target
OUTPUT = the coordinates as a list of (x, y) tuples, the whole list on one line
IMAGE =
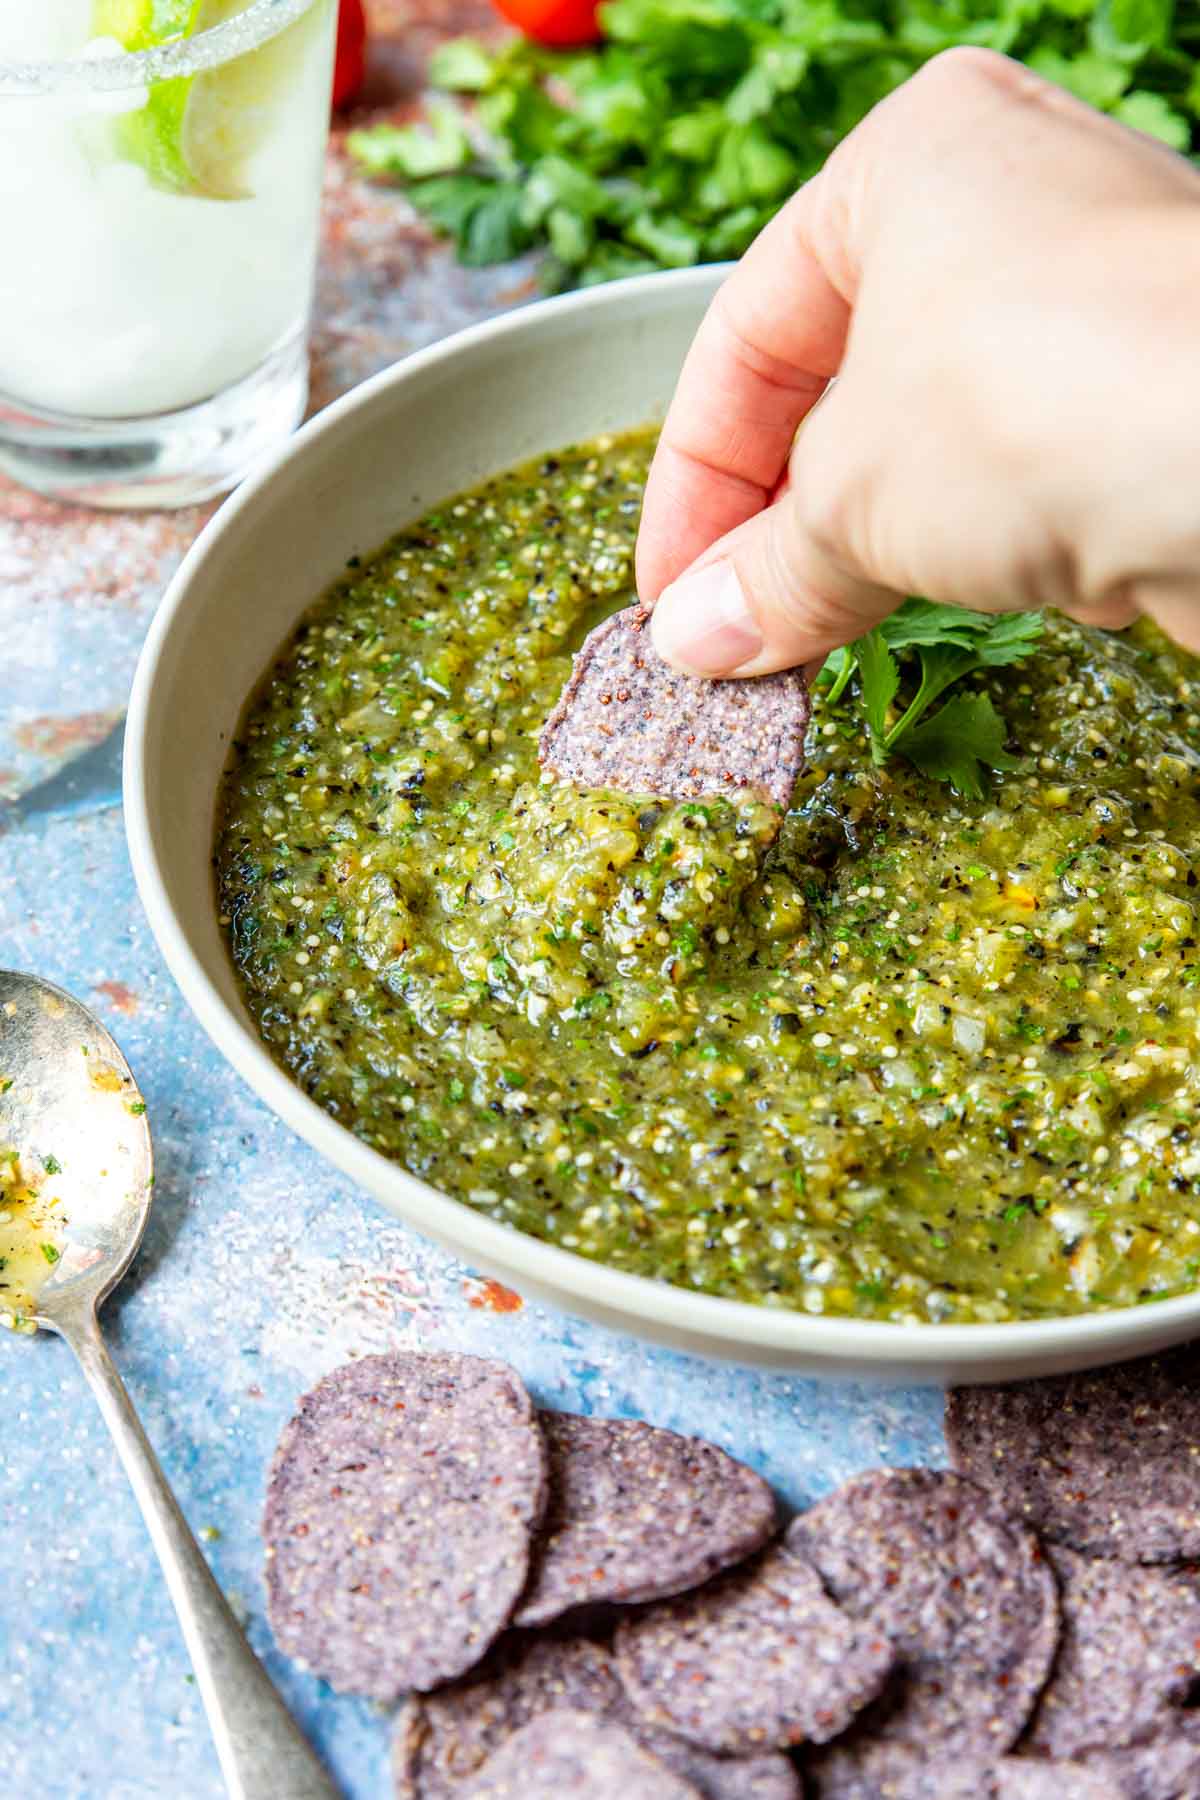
[(1107, 1461), (1128, 1657), (575, 1756), (445, 1737), (759, 1659), (448, 1735), (628, 721), (966, 1598), (401, 1506), (638, 1513)]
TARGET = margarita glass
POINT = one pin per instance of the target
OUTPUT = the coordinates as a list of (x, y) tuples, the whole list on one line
[(160, 177)]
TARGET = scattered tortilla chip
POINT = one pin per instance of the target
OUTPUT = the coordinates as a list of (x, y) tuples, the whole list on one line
[(449, 1735), (759, 1659), (1128, 1656), (401, 1505), (1107, 1461), (638, 1513), (925, 1559), (446, 1737), (627, 720), (575, 1754)]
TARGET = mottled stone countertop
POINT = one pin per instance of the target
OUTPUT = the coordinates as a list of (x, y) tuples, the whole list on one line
[(261, 1268)]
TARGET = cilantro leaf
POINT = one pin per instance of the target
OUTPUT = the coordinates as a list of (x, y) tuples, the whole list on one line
[(435, 148), (1009, 637), (667, 240), (929, 622), (1098, 80), (950, 642), (775, 69), (1152, 114), (958, 741), (941, 666), (1127, 29), (556, 182), (611, 262), (568, 235), (733, 234), (694, 136), (483, 217), (461, 66)]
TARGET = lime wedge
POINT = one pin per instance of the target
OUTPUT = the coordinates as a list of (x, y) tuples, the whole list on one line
[(151, 136), (196, 134)]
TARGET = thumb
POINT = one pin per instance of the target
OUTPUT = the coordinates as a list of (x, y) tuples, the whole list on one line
[(775, 593)]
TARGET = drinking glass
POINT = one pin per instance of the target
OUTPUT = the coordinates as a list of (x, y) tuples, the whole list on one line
[(158, 238)]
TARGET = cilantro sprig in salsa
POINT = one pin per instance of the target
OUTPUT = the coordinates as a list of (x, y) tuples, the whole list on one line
[(675, 140), (964, 736)]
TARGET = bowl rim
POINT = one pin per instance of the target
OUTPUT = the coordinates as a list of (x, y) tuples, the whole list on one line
[(733, 1324)]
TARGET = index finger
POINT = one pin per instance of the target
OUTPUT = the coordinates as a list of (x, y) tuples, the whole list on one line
[(772, 337)]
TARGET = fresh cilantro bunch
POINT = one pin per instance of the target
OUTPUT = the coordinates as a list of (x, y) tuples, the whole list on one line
[(964, 736), (675, 140)]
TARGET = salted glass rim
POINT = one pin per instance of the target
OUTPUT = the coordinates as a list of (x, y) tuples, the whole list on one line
[(245, 31)]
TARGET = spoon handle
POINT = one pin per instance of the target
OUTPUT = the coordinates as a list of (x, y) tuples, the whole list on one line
[(262, 1753)]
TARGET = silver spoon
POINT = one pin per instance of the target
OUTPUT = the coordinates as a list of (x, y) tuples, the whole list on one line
[(69, 1108)]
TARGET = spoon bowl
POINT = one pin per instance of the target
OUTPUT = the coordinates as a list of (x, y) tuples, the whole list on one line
[(72, 1107), (74, 1127)]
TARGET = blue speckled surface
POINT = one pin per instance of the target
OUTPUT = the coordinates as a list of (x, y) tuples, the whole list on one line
[(261, 1269)]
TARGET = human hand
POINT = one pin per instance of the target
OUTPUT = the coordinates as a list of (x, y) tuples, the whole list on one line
[(1004, 283)]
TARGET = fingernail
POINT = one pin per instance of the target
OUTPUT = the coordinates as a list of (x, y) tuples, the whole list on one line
[(702, 623)]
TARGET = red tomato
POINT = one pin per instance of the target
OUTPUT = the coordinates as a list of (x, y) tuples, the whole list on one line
[(557, 22), (350, 58)]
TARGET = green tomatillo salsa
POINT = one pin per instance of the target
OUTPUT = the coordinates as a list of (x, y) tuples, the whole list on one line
[(915, 1057)]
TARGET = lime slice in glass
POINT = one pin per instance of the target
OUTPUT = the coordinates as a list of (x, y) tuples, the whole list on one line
[(196, 134), (151, 136)]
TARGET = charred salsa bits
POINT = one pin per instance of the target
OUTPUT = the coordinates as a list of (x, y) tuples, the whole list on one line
[(916, 1057)]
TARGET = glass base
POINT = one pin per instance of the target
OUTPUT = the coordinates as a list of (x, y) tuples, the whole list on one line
[(172, 459)]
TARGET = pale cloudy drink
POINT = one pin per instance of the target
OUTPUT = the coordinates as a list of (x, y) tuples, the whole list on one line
[(160, 174)]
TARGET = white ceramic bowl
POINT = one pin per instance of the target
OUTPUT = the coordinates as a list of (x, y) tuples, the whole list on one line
[(440, 421)]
